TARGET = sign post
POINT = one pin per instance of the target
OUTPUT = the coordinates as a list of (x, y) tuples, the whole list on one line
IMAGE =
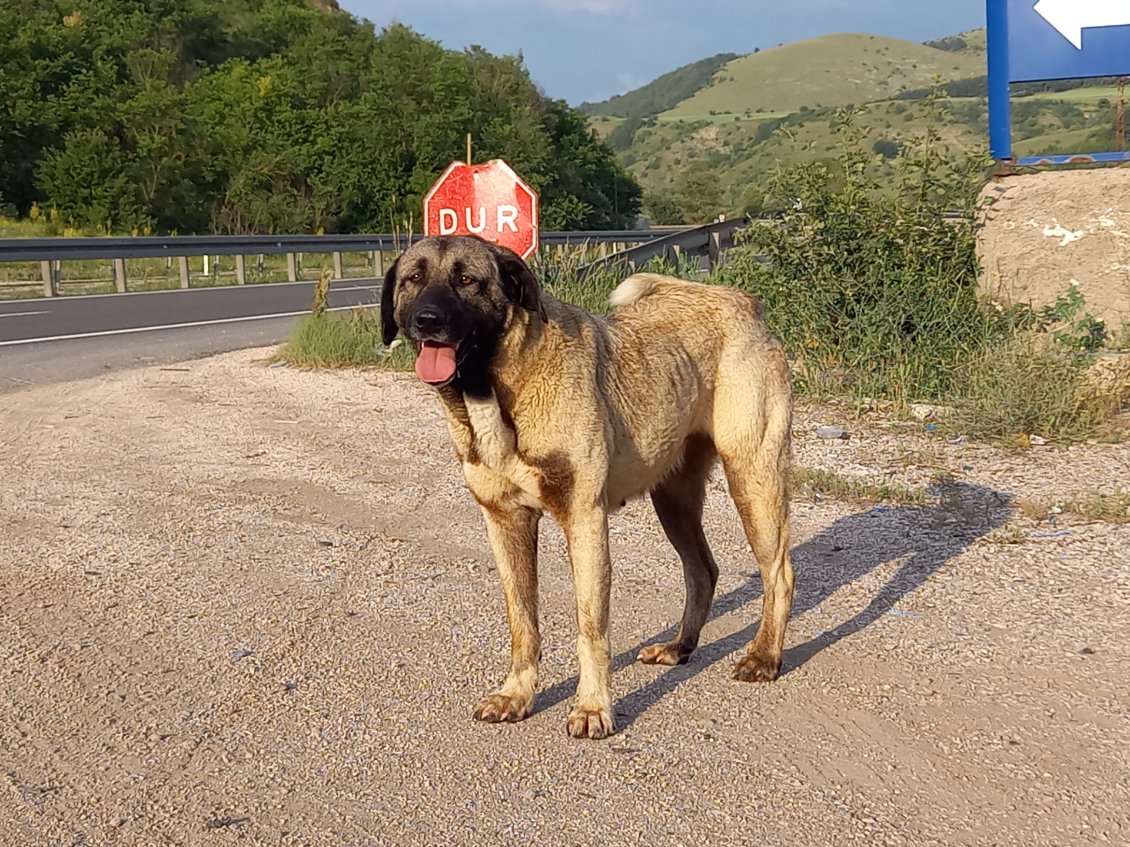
[(488, 200), (1049, 40)]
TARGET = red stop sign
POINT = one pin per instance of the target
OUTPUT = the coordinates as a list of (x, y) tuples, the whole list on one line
[(488, 200)]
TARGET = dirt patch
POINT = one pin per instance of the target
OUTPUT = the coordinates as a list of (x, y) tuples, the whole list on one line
[(1043, 232), (254, 604)]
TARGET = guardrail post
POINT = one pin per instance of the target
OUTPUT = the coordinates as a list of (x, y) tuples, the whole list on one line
[(379, 263), (292, 267), (240, 270), (48, 278), (714, 253), (339, 272), (120, 275), (182, 267)]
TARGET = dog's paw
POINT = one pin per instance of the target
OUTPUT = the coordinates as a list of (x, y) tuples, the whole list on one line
[(664, 654), (503, 708), (590, 723), (756, 668)]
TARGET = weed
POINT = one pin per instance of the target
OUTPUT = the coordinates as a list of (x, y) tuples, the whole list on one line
[(352, 340), (856, 489)]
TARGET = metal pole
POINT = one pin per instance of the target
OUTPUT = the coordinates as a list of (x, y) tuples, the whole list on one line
[(120, 275), (1000, 112), (48, 278)]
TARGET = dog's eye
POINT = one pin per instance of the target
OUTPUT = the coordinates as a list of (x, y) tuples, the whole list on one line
[(414, 277), (467, 280)]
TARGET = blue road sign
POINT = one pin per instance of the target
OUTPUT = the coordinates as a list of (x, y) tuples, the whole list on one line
[(1038, 40)]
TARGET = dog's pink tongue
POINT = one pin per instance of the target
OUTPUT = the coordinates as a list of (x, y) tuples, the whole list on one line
[(435, 362)]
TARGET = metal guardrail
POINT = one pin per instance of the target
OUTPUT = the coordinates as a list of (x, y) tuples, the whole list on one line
[(711, 241), (48, 252), (149, 247)]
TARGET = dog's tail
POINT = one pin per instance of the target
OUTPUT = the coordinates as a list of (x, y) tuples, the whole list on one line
[(640, 285)]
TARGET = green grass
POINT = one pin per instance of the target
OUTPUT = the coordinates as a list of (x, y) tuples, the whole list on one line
[(1095, 506), (834, 70), (21, 280), (727, 117), (1068, 139), (343, 340), (1089, 95), (860, 490)]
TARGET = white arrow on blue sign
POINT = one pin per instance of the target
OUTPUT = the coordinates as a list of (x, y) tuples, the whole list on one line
[(1071, 17), (1049, 40)]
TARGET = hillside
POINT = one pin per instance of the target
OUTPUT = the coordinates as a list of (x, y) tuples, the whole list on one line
[(778, 107), (663, 92), (831, 71)]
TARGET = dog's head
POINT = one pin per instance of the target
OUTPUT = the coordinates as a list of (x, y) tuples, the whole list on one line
[(453, 297)]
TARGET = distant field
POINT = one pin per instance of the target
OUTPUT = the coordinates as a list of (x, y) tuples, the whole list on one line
[(831, 71), (1069, 139), (727, 117), (1078, 95)]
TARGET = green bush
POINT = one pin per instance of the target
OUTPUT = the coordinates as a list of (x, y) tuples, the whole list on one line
[(873, 292)]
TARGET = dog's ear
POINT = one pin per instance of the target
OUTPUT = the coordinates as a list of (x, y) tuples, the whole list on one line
[(518, 281), (388, 322)]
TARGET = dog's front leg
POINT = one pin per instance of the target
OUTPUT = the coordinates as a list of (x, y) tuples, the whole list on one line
[(513, 534), (587, 535)]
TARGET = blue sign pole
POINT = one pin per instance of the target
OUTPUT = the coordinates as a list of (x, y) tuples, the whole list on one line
[(1041, 40), (1000, 111)]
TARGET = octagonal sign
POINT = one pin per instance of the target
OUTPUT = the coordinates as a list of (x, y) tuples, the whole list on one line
[(488, 200)]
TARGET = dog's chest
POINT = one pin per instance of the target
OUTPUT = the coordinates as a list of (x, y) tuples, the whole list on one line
[(487, 440)]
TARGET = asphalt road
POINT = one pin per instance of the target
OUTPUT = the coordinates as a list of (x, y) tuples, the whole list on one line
[(43, 341)]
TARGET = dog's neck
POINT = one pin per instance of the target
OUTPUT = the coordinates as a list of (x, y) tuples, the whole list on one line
[(480, 419)]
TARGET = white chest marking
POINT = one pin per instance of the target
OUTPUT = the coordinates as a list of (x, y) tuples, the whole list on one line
[(495, 442)]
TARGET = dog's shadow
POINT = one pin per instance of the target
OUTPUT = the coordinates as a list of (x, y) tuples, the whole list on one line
[(926, 537)]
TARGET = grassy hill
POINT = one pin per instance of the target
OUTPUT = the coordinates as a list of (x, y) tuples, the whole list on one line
[(831, 71), (663, 92), (778, 106)]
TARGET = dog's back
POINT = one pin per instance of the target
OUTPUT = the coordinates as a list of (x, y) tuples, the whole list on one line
[(688, 359)]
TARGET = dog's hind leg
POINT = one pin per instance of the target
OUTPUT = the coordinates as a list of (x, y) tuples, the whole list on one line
[(513, 534), (752, 434), (678, 503)]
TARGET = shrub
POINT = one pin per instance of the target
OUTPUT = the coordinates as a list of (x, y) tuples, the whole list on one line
[(871, 290), (874, 293)]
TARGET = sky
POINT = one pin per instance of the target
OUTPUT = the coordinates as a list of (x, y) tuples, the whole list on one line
[(581, 50)]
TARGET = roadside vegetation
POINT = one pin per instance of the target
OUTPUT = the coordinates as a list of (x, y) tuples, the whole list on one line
[(268, 116), (874, 293)]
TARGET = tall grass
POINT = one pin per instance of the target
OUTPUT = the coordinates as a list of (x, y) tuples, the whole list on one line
[(336, 340)]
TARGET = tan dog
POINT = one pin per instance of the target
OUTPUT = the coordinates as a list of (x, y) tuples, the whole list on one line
[(552, 409)]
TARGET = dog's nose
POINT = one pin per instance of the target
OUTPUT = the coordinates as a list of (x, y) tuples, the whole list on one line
[(428, 319)]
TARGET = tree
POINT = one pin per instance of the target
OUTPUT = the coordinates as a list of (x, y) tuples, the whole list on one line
[(271, 116), (699, 193), (661, 209), (886, 148)]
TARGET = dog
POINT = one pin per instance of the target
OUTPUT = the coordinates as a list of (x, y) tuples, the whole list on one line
[(554, 409)]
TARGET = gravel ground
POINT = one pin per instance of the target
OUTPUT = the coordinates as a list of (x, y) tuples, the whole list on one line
[(256, 605)]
